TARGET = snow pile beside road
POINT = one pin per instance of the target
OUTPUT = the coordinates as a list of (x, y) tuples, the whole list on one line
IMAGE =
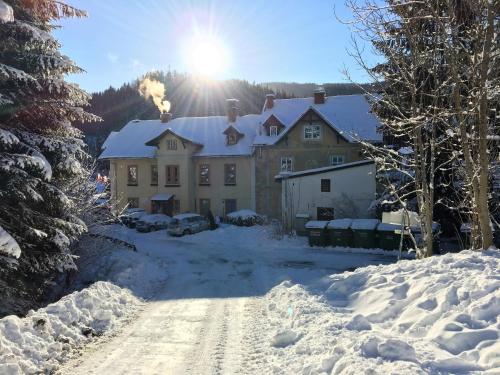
[(46, 337), (438, 315)]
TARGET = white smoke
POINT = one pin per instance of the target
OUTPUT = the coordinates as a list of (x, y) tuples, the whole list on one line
[(156, 91)]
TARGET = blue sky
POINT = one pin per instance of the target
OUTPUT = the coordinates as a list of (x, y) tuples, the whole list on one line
[(266, 40)]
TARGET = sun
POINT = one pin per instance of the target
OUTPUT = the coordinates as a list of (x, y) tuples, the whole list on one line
[(207, 57)]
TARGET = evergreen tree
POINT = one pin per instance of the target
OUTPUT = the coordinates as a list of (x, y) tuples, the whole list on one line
[(41, 154)]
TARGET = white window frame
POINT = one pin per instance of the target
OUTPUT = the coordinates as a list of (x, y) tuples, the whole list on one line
[(172, 144), (273, 130), (337, 159), (312, 132), (286, 164)]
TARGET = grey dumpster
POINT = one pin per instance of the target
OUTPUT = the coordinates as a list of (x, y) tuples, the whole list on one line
[(317, 233)]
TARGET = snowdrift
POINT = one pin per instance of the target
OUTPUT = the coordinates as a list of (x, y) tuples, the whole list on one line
[(438, 315), (44, 338)]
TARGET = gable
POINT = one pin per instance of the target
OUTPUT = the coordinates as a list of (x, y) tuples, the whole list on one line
[(295, 133)]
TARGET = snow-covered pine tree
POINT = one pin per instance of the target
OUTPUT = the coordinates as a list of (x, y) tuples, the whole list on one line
[(41, 154)]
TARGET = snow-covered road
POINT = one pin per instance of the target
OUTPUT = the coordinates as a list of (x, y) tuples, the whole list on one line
[(210, 316)]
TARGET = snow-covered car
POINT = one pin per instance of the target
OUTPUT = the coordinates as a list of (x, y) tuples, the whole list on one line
[(148, 223), (245, 218), (187, 224), (130, 216)]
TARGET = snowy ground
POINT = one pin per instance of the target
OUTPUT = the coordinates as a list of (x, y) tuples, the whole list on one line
[(235, 301)]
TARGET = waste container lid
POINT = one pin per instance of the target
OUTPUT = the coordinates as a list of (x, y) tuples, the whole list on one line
[(388, 227), (305, 216), (316, 224), (366, 224), (340, 224)]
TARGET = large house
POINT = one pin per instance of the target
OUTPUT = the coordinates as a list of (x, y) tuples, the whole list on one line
[(226, 163)]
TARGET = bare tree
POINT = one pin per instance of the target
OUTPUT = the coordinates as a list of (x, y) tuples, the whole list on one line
[(439, 76)]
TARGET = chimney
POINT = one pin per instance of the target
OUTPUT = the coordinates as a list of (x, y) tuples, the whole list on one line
[(232, 109), (269, 101), (165, 117), (319, 95)]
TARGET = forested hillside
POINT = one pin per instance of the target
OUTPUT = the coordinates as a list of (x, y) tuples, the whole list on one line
[(305, 89)]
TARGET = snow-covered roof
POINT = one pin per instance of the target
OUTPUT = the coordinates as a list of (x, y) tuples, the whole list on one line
[(364, 224), (131, 141), (330, 168), (340, 224), (316, 224), (348, 114)]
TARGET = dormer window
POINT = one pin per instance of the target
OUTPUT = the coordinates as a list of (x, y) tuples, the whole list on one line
[(273, 131), (232, 139)]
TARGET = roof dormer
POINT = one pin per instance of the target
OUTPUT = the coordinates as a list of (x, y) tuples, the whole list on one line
[(273, 126), (232, 135)]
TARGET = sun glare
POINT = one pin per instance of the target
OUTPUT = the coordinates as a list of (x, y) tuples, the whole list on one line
[(207, 57)]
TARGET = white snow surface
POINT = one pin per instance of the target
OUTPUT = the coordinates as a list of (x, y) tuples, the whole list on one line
[(438, 315), (8, 245), (130, 141), (38, 342), (350, 115), (238, 301)]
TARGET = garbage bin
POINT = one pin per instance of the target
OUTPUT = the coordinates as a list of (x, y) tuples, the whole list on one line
[(364, 234), (317, 233), (389, 236), (340, 233), (300, 224)]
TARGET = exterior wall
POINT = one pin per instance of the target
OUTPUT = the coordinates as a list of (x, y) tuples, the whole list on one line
[(188, 192), (217, 191), (306, 154), (184, 192), (351, 192), (121, 191)]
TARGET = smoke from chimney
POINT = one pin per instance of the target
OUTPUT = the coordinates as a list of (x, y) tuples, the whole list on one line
[(155, 90)]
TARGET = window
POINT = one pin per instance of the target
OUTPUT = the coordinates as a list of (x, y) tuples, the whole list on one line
[(325, 185), (336, 159), (133, 203), (273, 130), (171, 144), (176, 208), (286, 164), (132, 175), (172, 175), (204, 174), (204, 206), (232, 139), (154, 174), (230, 174), (229, 206), (312, 132)]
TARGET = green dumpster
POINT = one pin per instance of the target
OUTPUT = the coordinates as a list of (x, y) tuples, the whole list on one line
[(364, 233), (340, 233), (316, 230), (300, 224), (389, 236)]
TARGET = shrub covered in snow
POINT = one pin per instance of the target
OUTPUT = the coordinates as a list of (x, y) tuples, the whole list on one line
[(437, 315), (43, 339), (245, 218)]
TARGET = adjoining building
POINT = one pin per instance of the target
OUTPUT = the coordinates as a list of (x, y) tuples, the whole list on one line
[(338, 191), (305, 133), (227, 163)]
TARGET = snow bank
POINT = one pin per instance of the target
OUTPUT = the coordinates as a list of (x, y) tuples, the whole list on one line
[(46, 337), (6, 12), (243, 214), (438, 315)]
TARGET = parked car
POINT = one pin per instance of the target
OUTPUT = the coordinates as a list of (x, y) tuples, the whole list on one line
[(148, 223), (130, 216), (187, 224)]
